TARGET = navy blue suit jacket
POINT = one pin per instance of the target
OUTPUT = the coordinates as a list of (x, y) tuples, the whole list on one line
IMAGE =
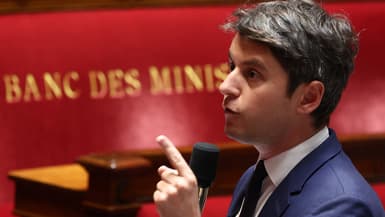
[(324, 184)]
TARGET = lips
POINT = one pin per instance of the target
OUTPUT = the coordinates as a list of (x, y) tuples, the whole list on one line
[(227, 106), (229, 111)]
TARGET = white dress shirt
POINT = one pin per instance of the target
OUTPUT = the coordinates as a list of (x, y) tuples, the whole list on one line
[(279, 166)]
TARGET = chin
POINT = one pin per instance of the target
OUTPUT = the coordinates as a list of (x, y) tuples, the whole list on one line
[(237, 136)]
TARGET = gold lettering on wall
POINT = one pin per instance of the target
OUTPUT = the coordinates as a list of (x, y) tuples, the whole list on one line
[(12, 89), (115, 80), (52, 86), (55, 85), (69, 91), (220, 73), (193, 78), (98, 84), (131, 77), (160, 81), (31, 90), (178, 79), (114, 83), (209, 77), (188, 79)]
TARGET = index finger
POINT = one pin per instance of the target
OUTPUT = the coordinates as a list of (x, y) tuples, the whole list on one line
[(174, 156)]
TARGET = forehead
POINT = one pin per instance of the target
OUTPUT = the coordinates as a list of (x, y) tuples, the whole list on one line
[(242, 48), (244, 51)]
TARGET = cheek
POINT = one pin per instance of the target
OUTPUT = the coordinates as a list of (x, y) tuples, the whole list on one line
[(260, 102), (267, 106)]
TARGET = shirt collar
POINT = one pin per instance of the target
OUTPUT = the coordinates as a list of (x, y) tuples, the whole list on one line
[(279, 166)]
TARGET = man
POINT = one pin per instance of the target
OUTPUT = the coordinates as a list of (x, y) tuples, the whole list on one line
[(289, 61)]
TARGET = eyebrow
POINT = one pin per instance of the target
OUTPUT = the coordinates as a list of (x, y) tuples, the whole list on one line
[(252, 62)]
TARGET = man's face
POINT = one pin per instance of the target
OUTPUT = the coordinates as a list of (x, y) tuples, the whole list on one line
[(257, 108)]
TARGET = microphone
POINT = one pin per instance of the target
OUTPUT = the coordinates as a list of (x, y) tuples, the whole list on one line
[(203, 163)]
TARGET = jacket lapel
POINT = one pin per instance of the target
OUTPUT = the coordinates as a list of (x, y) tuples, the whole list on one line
[(292, 185), (239, 192)]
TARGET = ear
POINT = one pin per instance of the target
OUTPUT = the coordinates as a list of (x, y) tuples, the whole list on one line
[(311, 97)]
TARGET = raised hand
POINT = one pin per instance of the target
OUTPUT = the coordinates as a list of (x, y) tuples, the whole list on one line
[(176, 194)]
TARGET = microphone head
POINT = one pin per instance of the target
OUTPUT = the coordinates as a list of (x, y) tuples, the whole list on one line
[(203, 163)]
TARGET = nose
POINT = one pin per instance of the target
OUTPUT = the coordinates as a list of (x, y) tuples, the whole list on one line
[(231, 85)]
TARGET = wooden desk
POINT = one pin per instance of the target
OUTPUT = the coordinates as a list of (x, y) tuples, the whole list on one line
[(116, 184), (50, 191)]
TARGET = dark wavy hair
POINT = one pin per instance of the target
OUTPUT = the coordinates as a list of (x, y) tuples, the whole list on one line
[(309, 43)]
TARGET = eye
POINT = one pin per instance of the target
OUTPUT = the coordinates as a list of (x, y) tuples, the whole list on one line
[(231, 65), (252, 74)]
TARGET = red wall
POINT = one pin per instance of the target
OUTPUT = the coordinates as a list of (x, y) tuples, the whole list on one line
[(42, 131), (362, 108), (45, 131)]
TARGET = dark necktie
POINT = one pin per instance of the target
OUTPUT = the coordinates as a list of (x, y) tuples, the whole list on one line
[(254, 190)]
